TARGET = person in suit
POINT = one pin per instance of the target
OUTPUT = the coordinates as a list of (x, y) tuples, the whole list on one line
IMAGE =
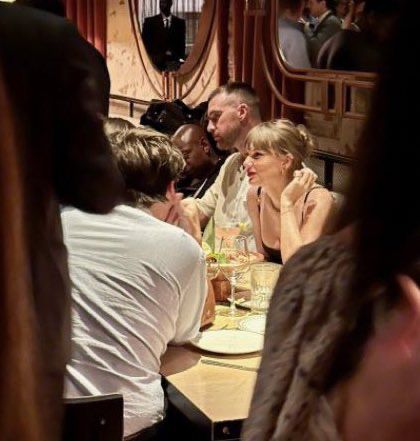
[(164, 38), (360, 50), (100, 78), (327, 26), (64, 158)]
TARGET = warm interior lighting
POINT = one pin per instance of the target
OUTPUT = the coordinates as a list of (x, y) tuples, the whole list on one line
[(255, 6)]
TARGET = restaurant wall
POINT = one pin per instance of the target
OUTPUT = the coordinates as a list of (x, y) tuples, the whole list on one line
[(131, 72)]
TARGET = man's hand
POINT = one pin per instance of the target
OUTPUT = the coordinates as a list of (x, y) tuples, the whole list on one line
[(184, 215)]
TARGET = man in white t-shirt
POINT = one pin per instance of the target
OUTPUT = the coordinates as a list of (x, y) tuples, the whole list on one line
[(138, 284), (233, 111)]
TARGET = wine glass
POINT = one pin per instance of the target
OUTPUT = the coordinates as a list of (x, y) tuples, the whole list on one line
[(212, 266), (233, 260)]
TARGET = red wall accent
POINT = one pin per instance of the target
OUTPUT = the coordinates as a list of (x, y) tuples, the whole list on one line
[(90, 18)]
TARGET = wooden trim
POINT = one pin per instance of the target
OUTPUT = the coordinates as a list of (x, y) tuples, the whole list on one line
[(201, 43)]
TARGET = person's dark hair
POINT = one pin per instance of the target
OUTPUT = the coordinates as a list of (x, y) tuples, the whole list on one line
[(148, 162), (54, 6), (243, 91), (383, 192)]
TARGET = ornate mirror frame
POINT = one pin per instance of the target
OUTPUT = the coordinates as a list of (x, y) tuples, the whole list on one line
[(341, 82), (169, 88)]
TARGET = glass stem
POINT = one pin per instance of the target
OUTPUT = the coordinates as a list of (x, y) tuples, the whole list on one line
[(232, 297)]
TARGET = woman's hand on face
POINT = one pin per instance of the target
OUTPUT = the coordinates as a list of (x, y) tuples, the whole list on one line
[(301, 183)]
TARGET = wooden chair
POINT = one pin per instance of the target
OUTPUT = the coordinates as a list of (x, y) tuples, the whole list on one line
[(94, 418)]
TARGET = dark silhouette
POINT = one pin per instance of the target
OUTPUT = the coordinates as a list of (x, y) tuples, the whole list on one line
[(164, 38), (64, 158), (100, 79)]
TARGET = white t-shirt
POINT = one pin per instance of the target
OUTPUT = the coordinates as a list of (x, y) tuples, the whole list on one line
[(137, 284)]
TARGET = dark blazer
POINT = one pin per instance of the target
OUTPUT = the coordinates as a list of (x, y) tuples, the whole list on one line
[(323, 31), (64, 159), (164, 45)]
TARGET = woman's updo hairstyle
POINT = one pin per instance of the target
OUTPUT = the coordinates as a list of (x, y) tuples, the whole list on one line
[(281, 136)]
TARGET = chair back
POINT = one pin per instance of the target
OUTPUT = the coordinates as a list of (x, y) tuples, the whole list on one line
[(94, 418)]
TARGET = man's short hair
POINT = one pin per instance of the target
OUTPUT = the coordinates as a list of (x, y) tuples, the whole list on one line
[(54, 6), (243, 91), (148, 162)]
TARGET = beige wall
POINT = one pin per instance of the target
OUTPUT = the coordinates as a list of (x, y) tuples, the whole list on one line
[(133, 75)]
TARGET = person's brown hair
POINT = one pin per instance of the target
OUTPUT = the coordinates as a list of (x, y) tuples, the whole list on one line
[(20, 410), (148, 162)]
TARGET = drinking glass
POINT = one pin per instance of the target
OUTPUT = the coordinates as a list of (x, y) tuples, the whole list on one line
[(212, 267), (263, 280), (226, 231), (233, 262)]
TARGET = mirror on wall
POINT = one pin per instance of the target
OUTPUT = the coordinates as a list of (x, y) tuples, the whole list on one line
[(169, 29), (345, 35)]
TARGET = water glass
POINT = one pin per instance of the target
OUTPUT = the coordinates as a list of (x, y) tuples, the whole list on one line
[(263, 280)]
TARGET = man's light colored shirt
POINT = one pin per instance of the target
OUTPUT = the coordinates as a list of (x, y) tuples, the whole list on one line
[(226, 198), (137, 284)]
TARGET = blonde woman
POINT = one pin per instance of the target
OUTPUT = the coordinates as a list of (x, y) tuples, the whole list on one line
[(287, 208)]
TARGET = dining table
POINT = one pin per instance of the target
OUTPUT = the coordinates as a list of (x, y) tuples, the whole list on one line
[(208, 394)]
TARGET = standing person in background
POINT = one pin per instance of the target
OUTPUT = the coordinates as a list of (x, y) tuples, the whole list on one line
[(232, 112), (342, 345), (357, 47), (64, 158), (164, 38), (328, 25), (292, 40), (342, 9)]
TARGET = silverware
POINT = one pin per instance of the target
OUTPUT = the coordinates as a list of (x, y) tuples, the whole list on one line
[(228, 365)]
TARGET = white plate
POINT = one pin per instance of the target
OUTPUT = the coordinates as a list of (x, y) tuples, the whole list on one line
[(229, 341), (254, 323), (243, 303)]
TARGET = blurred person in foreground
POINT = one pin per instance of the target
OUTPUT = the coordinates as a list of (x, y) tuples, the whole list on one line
[(287, 208), (64, 158), (342, 343), (99, 75), (21, 416), (202, 162), (138, 284), (233, 110)]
